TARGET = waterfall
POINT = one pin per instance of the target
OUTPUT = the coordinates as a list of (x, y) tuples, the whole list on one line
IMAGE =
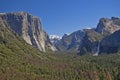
[(98, 50)]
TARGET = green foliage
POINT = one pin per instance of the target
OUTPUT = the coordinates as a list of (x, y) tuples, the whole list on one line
[(53, 66)]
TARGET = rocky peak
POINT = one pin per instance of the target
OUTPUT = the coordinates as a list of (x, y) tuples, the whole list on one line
[(108, 26), (29, 28)]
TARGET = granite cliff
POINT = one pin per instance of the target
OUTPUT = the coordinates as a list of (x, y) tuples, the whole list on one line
[(29, 28), (111, 43)]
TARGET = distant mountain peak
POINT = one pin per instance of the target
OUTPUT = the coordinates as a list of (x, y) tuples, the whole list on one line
[(55, 36), (54, 39)]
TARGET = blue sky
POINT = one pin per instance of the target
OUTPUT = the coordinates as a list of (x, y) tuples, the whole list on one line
[(65, 16)]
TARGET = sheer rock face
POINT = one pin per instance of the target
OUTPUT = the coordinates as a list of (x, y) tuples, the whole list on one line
[(29, 28), (108, 26), (111, 43), (90, 41)]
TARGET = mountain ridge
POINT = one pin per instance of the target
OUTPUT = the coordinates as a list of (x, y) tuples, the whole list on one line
[(92, 37), (29, 27)]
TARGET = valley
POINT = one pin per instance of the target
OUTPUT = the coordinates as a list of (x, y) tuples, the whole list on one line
[(27, 53)]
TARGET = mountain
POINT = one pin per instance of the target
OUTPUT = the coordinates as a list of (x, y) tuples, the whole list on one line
[(91, 40), (70, 43), (81, 41), (29, 28), (54, 39)]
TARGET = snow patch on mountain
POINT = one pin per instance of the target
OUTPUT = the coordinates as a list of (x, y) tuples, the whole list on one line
[(55, 38)]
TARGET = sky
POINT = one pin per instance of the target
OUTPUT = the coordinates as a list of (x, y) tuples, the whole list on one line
[(64, 16)]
